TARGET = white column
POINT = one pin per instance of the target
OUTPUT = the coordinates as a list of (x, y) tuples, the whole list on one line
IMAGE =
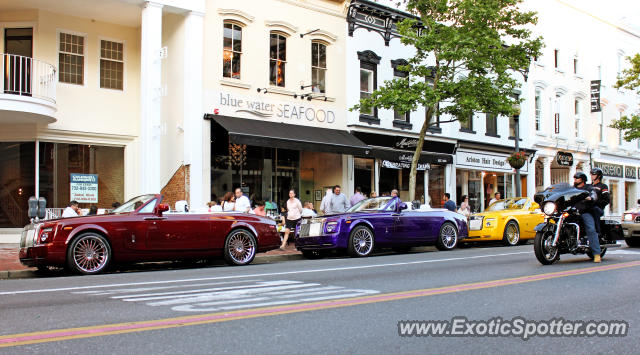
[(426, 187), (607, 209), (196, 129), (347, 175), (621, 197), (482, 197), (450, 179), (531, 179), (546, 175), (376, 176), (150, 83)]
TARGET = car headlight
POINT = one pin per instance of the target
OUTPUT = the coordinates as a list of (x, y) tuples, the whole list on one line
[(549, 208), (490, 222), (628, 217), (331, 227)]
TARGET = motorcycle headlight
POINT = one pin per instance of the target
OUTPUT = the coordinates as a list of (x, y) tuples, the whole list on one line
[(628, 217), (549, 208)]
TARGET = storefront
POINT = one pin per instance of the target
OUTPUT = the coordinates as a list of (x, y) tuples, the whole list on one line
[(390, 164), (89, 174), (480, 174), (267, 159), (622, 181)]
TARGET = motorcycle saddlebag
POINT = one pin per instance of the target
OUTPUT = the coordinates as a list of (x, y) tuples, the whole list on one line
[(612, 229)]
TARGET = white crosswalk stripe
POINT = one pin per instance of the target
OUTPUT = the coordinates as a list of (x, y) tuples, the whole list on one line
[(229, 295)]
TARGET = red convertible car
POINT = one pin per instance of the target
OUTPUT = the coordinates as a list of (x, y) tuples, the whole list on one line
[(142, 230)]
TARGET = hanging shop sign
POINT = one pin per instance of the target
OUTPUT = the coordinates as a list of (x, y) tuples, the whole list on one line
[(264, 107), (84, 188), (564, 158), (612, 170), (630, 172), (485, 161), (595, 96), (403, 165)]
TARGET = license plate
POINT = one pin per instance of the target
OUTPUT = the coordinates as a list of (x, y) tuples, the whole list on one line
[(475, 224), (315, 229)]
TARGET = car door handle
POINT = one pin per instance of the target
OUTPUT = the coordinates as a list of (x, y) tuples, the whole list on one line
[(154, 218)]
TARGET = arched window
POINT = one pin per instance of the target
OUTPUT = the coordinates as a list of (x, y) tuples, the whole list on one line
[(277, 59), (318, 66), (231, 50)]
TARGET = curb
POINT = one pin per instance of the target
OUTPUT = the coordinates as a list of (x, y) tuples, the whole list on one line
[(262, 259)]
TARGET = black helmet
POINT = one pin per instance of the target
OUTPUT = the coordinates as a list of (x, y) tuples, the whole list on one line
[(580, 175), (597, 172)]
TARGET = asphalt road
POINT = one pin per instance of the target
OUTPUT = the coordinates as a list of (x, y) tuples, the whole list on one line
[(334, 305)]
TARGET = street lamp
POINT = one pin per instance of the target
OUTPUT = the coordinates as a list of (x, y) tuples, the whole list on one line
[(516, 133)]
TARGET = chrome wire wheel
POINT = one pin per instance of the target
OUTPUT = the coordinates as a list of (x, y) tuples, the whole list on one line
[(90, 254), (448, 237), (240, 248), (361, 241), (511, 234)]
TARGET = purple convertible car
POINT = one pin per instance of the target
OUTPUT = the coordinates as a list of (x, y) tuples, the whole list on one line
[(383, 222)]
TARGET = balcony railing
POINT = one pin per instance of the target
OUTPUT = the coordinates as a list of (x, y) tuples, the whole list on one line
[(27, 76)]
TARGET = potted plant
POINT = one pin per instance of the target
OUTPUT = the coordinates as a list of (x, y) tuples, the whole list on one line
[(517, 159)]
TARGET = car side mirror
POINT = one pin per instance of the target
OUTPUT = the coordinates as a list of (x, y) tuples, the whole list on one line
[(535, 206), (161, 207), (402, 206)]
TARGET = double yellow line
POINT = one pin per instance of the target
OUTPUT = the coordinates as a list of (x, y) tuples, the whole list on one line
[(129, 327)]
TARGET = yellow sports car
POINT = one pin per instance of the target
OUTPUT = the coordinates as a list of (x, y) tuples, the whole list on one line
[(511, 220)]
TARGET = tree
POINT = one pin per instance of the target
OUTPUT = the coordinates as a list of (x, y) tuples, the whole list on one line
[(466, 54), (630, 79)]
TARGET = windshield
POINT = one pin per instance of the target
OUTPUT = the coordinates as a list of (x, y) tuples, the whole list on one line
[(508, 204), (373, 204), (134, 203)]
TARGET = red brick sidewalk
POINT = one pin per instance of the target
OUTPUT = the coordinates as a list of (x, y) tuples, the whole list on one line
[(9, 256)]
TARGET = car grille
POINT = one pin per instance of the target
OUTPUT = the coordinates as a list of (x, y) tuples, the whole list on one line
[(304, 230), (27, 236), (305, 227)]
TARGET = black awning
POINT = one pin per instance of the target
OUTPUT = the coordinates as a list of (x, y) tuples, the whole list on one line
[(404, 143), (290, 136), (407, 156)]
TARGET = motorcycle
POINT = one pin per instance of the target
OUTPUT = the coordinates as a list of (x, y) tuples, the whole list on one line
[(562, 231)]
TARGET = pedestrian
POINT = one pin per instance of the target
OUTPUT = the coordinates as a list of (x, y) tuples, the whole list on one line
[(72, 210), (448, 203), (308, 211), (213, 206), (324, 205), (357, 196), (294, 213), (373, 194), (242, 204), (116, 205), (227, 202), (338, 202), (93, 210), (496, 198), (259, 210), (394, 193), (465, 209)]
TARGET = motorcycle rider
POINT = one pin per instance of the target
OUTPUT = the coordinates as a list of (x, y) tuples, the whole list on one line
[(602, 192), (585, 208)]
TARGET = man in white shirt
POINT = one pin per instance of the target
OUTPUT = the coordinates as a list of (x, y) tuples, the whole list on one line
[(72, 210), (324, 205), (242, 202)]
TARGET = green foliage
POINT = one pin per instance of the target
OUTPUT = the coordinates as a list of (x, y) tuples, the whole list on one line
[(470, 49), (630, 79)]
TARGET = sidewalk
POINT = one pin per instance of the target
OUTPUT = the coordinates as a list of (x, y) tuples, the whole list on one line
[(11, 268)]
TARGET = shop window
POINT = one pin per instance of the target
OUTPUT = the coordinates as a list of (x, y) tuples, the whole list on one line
[(368, 83), (436, 185), (277, 59), (17, 182), (111, 65), (492, 124), (231, 51), (57, 161), (71, 59), (318, 67), (556, 58)]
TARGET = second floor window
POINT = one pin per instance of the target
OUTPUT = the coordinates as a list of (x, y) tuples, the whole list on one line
[(277, 59), (71, 59), (577, 111), (231, 51), (538, 108), (111, 65), (366, 87), (318, 66), (492, 124), (467, 125)]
